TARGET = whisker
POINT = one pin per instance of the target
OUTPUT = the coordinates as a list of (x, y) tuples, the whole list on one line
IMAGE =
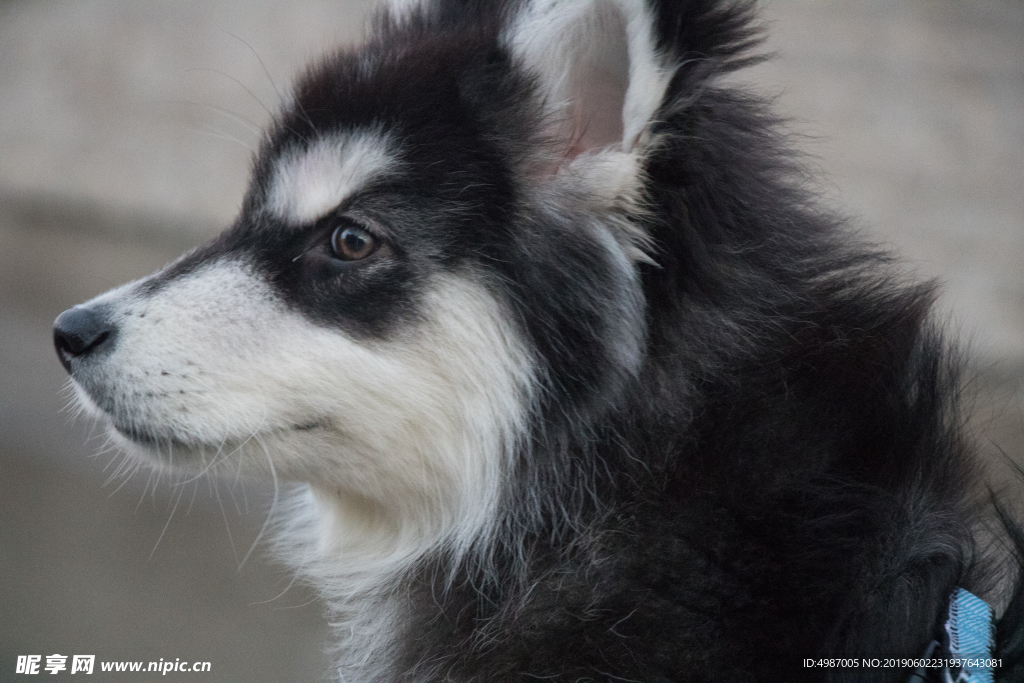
[(273, 504), (224, 515), (243, 86), (220, 135), (280, 98), (167, 524)]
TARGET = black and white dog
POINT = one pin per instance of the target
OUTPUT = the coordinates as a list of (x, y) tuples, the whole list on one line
[(582, 384)]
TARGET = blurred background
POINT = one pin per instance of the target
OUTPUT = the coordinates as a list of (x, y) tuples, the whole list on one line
[(126, 129)]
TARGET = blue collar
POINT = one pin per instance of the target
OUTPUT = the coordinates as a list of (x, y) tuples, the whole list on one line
[(970, 632)]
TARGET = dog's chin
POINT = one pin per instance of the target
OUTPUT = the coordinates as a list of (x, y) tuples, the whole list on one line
[(164, 451), (164, 448), (181, 453), (133, 441)]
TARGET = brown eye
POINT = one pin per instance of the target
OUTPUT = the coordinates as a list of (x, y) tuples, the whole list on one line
[(352, 243)]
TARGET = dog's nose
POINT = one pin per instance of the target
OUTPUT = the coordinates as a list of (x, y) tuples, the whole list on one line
[(81, 331)]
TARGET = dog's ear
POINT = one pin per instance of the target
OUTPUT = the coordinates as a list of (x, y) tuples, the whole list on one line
[(601, 76)]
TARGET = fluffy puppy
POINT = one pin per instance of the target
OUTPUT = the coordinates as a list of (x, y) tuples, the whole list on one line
[(582, 384)]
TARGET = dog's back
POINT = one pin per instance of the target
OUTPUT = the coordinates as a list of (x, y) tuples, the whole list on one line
[(585, 385)]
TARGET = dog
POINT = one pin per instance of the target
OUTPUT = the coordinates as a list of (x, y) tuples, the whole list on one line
[(574, 377)]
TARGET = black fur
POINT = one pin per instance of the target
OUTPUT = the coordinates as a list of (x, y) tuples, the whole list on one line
[(786, 478)]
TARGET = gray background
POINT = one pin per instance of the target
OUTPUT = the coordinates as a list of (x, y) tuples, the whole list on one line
[(126, 129)]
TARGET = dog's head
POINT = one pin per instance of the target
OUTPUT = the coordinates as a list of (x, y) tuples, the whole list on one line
[(438, 252)]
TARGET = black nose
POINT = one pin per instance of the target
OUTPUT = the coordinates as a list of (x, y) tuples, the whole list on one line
[(80, 331)]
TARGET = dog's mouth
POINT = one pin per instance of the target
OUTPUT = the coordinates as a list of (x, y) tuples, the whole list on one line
[(146, 436), (149, 439), (161, 442)]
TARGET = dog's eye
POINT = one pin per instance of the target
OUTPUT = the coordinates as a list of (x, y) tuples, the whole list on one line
[(352, 243)]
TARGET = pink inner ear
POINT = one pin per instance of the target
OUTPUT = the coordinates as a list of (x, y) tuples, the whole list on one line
[(595, 80), (581, 52), (596, 112)]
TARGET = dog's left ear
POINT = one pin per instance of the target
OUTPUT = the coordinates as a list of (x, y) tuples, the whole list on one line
[(600, 74)]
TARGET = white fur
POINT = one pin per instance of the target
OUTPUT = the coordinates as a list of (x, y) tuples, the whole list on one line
[(214, 359), (402, 10), (311, 181), (609, 184), (405, 440)]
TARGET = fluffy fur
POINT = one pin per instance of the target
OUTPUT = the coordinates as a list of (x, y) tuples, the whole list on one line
[(612, 399)]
